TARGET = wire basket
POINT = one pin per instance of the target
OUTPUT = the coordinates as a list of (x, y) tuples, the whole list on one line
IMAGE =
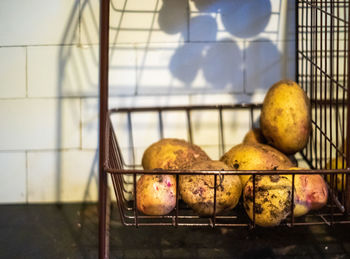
[(323, 71), (125, 175)]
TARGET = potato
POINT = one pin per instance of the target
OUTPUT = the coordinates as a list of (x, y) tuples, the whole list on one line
[(198, 190), (340, 179), (286, 117), (254, 136), (255, 157), (172, 154), (311, 192), (272, 199), (156, 194)]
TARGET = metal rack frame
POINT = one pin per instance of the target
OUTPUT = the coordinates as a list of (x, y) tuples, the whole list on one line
[(318, 26)]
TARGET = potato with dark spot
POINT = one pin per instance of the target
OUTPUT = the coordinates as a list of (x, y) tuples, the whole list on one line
[(198, 190), (286, 117), (254, 136), (272, 199), (172, 153), (255, 157)]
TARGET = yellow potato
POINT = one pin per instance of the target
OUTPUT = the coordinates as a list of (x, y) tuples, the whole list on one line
[(273, 195), (172, 154), (255, 157), (340, 179), (156, 194), (254, 136), (198, 190), (286, 117)]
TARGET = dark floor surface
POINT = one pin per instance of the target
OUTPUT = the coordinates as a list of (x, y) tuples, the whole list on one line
[(70, 231)]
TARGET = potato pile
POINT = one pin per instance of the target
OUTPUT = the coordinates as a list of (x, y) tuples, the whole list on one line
[(156, 194), (285, 126)]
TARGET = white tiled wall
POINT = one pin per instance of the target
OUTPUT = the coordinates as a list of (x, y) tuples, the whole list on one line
[(168, 52)]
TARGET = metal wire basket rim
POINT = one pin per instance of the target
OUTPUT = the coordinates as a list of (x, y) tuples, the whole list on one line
[(210, 106), (228, 172)]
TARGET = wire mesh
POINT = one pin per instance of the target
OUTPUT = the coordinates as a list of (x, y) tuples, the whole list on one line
[(323, 72), (124, 174)]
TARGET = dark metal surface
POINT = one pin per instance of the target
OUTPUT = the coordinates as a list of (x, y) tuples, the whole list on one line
[(104, 39)]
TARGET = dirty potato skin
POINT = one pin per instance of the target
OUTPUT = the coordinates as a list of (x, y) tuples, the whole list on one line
[(156, 194), (286, 117), (198, 190), (170, 153), (255, 156), (310, 191), (254, 136), (272, 199)]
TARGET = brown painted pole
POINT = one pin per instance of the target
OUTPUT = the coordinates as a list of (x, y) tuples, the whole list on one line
[(102, 198), (347, 139)]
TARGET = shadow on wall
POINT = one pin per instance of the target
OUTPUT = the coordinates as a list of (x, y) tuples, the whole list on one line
[(73, 71), (212, 52)]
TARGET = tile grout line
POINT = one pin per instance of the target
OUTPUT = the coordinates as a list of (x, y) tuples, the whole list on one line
[(26, 72)]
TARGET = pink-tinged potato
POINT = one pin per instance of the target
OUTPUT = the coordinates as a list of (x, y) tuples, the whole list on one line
[(310, 191), (156, 194)]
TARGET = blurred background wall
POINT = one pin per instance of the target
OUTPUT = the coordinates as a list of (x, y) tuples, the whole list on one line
[(162, 52)]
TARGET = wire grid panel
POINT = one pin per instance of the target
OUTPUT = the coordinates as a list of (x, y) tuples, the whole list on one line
[(323, 53), (125, 175)]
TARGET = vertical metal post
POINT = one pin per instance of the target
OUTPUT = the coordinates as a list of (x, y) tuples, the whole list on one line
[(347, 140), (297, 43), (102, 198)]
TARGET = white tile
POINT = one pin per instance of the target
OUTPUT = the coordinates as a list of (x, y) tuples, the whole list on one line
[(236, 124), (266, 63), (62, 71), (38, 22), (223, 67), (67, 176), (90, 117), (205, 127), (12, 72), (74, 71), (190, 68), (203, 27), (89, 122), (13, 177), (39, 124), (122, 70), (89, 21)]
